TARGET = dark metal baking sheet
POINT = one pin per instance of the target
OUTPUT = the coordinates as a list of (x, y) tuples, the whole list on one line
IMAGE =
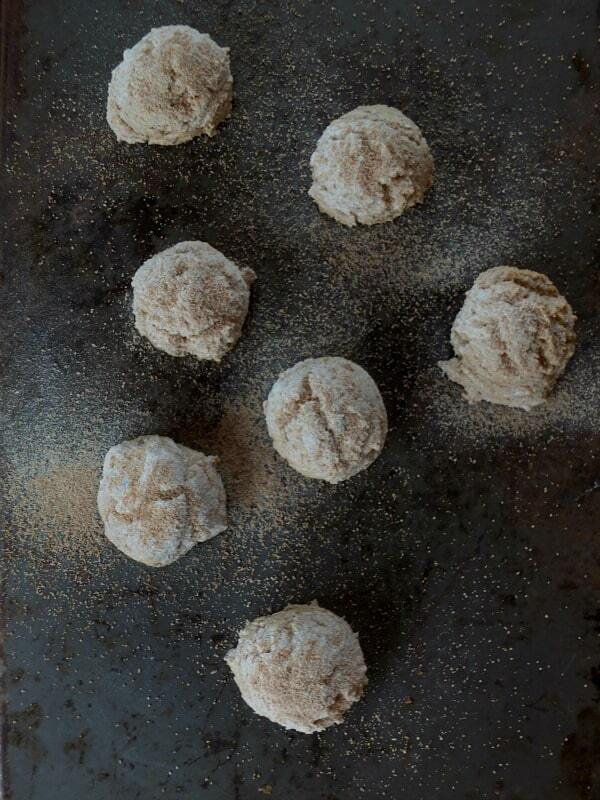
[(467, 556)]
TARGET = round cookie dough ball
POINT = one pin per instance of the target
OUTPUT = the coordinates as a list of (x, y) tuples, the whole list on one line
[(370, 165), (175, 84), (326, 418), (191, 300), (512, 338), (301, 667), (158, 499)]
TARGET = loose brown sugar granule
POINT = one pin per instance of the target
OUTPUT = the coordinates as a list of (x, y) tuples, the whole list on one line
[(248, 464), (253, 475), (573, 406), (56, 507), (385, 297)]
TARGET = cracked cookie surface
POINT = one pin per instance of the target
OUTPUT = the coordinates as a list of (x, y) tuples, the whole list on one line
[(326, 418), (158, 499)]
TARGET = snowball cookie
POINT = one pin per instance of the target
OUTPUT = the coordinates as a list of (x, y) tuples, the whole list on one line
[(301, 667), (512, 338), (370, 165), (173, 85), (326, 418), (158, 499), (191, 300)]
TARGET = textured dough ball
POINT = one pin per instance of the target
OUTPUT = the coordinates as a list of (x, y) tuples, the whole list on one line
[(173, 85), (326, 418), (158, 499), (370, 165), (191, 299), (301, 667), (512, 338)]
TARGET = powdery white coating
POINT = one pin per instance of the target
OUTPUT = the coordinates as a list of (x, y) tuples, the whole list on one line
[(512, 338), (191, 299), (370, 165), (326, 418), (175, 84), (302, 667), (158, 499)]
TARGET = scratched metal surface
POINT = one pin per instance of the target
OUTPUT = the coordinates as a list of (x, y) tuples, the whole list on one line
[(469, 563)]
